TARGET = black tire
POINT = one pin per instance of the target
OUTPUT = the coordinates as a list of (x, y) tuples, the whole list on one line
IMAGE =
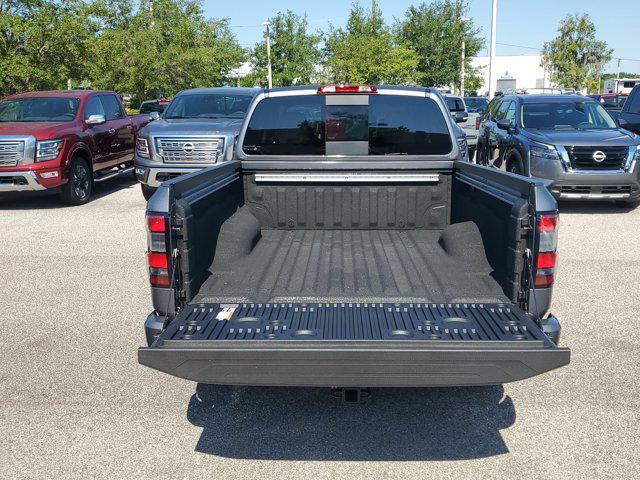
[(472, 152), (147, 192), (77, 191), (514, 164), (481, 155)]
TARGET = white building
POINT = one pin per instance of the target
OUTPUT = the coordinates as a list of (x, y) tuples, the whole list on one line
[(620, 85), (512, 71)]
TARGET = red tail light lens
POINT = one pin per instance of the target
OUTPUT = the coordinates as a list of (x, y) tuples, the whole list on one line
[(157, 257), (157, 260), (546, 260), (547, 244), (156, 223), (347, 89)]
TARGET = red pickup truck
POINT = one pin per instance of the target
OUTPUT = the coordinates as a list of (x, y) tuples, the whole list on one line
[(65, 141)]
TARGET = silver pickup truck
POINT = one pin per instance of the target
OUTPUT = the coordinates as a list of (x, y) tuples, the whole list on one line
[(197, 130), (468, 121)]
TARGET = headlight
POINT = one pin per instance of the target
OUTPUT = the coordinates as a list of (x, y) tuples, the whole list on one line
[(634, 156), (544, 151), (48, 150), (142, 148)]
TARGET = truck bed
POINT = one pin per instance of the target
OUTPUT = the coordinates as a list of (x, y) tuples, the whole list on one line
[(358, 265)]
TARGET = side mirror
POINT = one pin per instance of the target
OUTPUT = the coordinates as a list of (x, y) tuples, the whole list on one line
[(505, 124), (460, 117), (154, 116), (622, 123), (95, 120)]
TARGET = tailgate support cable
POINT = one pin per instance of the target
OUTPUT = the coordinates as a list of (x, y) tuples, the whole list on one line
[(530, 283), (174, 264)]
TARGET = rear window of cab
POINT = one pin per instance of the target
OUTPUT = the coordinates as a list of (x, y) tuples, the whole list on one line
[(363, 125)]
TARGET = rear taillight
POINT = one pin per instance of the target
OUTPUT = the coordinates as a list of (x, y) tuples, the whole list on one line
[(157, 256), (547, 244), (478, 122), (347, 89)]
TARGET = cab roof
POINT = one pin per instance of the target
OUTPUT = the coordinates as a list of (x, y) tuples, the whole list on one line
[(222, 90), (535, 98), (60, 93)]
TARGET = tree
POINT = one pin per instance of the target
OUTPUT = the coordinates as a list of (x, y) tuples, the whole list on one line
[(435, 31), (368, 52), (575, 58), (43, 43), (295, 53), (162, 50)]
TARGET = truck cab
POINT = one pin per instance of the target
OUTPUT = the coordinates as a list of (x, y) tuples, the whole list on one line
[(348, 244)]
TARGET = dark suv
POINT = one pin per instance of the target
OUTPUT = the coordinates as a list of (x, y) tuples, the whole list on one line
[(569, 139)]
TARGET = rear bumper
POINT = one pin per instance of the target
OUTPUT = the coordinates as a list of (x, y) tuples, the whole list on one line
[(19, 181), (354, 363)]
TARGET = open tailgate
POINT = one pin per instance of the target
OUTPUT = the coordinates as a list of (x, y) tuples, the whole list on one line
[(353, 345)]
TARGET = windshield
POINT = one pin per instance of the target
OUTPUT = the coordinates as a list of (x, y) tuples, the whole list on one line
[(566, 116), (476, 105), (454, 104), (208, 105), (40, 109)]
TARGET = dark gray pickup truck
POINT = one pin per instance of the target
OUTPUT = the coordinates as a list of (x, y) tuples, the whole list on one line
[(348, 246)]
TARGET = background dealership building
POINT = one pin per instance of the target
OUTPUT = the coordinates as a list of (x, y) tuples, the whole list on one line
[(512, 71)]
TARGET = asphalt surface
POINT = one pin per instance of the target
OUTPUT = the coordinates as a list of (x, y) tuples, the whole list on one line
[(74, 403)]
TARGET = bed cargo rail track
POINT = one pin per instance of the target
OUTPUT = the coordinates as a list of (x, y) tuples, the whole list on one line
[(353, 344)]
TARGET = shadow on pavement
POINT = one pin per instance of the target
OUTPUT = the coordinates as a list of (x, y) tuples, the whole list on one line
[(51, 200), (590, 207), (310, 424)]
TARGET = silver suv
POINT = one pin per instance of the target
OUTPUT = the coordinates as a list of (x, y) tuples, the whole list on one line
[(197, 130)]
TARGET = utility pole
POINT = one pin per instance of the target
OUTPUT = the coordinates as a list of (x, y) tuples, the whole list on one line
[(492, 55), (462, 73), (617, 76), (269, 72)]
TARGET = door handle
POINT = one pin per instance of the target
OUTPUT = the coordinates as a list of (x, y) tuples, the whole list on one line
[(112, 131)]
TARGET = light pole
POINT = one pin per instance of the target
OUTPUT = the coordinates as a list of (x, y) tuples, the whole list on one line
[(492, 54), (464, 21), (269, 73)]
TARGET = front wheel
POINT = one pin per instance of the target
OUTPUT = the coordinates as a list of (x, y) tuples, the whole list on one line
[(77, 190), (147, 192)]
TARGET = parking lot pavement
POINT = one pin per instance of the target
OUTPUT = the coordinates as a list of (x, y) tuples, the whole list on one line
[(74, 403)]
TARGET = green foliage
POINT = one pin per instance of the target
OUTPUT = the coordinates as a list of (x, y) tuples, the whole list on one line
[(576, 57), (294, 53), (163, 50), (435, 32), (368, 52), (124, 45), (42, 44)]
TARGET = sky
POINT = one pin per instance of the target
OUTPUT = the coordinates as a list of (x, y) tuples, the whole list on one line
[(522, 27)]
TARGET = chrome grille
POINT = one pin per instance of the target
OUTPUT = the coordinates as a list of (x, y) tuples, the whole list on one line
[(10, 153), (582, 157), (190, 149)]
